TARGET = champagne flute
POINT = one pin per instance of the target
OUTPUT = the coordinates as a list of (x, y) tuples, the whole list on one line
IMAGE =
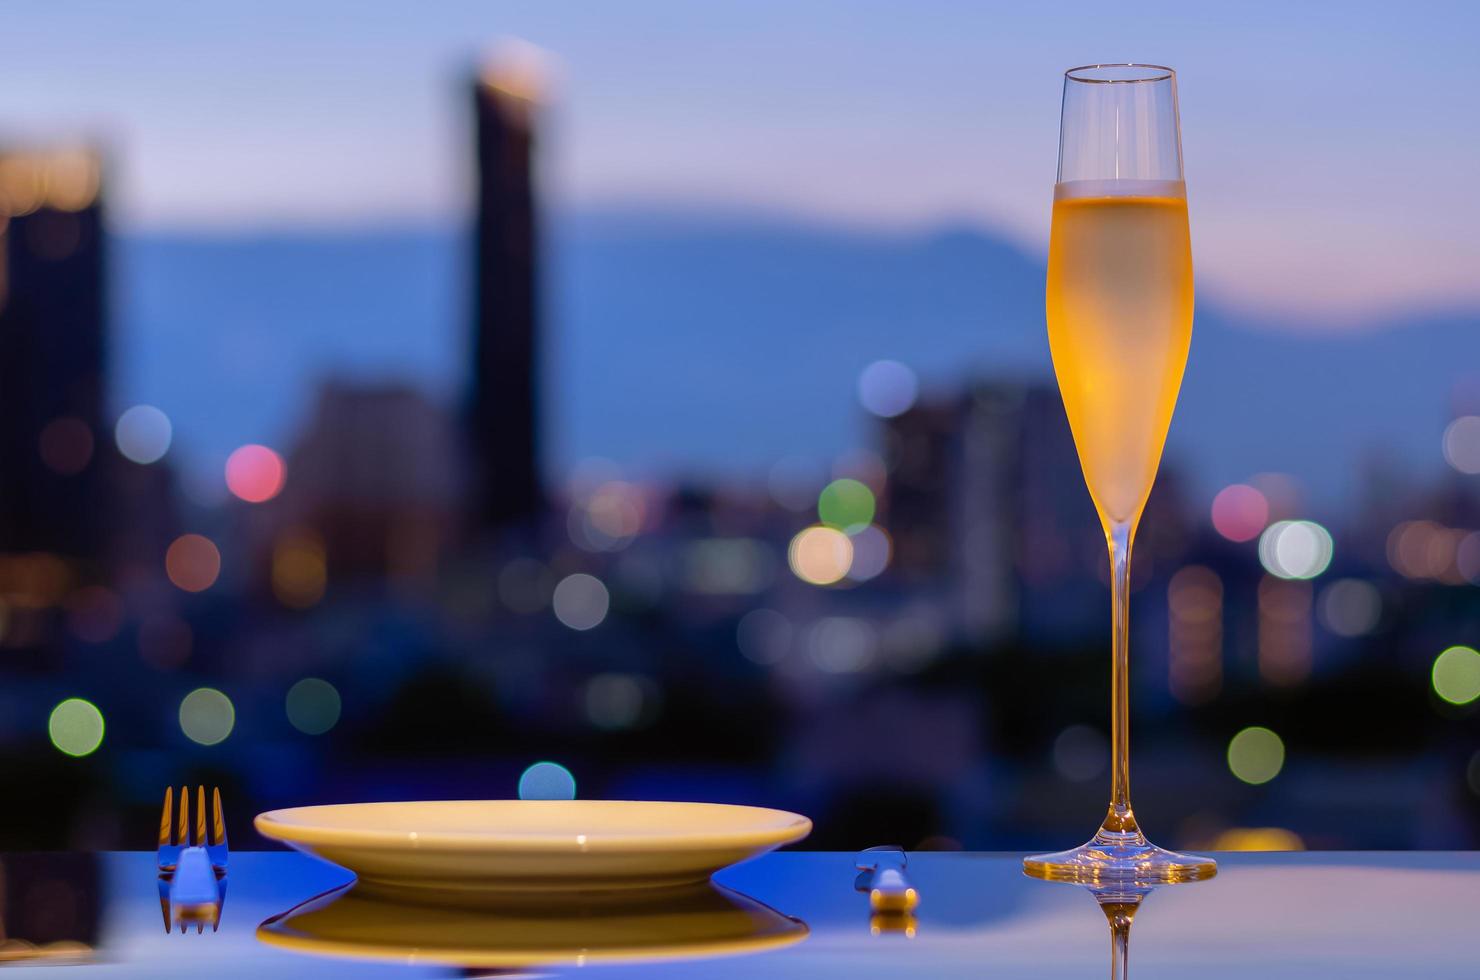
[(1119, 309)]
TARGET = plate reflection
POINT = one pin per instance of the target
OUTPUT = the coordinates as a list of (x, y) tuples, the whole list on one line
[(539, 930)]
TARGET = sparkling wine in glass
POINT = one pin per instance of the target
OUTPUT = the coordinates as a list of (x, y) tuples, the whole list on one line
[(1119, 306)]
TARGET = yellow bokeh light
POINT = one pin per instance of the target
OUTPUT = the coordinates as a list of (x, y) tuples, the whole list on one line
[(1257, 839), (1256, 755), (820, 555), (299, 570)]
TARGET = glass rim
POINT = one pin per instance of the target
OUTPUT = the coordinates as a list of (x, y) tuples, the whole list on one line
[(1153, 73)]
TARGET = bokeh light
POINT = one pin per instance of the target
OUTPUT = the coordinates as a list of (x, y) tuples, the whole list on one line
[(820, 555), (616, 512), (255, 473), (1456, 675), (207, 716), (887, 388), (764, 636), (842, 644), (1426, 550), (1467, 558), (313, 706), (1080, 753), (143, 434), (1257, 839), (192, 562), (1256, 755), (1295, 549), (66, 446), (619, 701), (547, 781), (727, 566), (1195, 632), (580, 601), (76, 727), (1462, 444), (1350, 607), (846, 504), (1240, 512), (871, 551), (299, 569)]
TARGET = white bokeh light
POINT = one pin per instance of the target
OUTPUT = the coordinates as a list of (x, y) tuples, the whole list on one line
[(1462, 444), (143, 434), (1295, 549), (887, 388), (581, 601)]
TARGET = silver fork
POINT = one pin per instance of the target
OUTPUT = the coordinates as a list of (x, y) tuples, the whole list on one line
[(175, 829)]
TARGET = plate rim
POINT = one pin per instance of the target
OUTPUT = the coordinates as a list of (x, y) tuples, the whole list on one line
[(791, 828)]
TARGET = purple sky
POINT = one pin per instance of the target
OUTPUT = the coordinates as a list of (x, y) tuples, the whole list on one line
[(1331, 148)]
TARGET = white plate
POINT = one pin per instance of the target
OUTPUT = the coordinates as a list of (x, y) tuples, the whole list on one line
[(504, 845)]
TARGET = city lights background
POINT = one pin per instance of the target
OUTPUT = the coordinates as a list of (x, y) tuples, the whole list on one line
[(811, 531)]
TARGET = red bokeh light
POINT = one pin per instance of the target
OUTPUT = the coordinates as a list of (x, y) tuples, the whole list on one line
[(193, 562), (1240, 512), (255, 473)]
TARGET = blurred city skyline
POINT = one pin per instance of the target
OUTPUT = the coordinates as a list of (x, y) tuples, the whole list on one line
[(1325, 164), (610, 449)]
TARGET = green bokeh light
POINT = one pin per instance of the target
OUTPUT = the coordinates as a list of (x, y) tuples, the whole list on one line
[(76, 727), (1457, 675), (846, 503), (207, 716), (313, 706), (1256, 755)]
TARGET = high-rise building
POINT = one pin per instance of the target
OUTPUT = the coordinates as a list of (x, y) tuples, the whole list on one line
[(371, 494), (53, 355), (503, 407), (985, 495)]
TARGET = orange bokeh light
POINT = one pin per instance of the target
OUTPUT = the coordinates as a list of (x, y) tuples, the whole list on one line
[(193, 562), (255, 473)]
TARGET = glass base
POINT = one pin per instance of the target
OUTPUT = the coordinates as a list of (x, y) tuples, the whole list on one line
[(1120, 858)]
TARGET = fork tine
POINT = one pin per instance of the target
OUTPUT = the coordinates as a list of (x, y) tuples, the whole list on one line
[(164, 817), (218, 819), (164, 904), (200, 816), (182, 819)]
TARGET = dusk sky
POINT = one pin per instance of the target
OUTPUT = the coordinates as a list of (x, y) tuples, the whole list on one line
[(1331, 147)]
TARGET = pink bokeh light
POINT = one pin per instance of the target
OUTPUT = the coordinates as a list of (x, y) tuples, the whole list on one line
[(1240, 512), (255, 473)]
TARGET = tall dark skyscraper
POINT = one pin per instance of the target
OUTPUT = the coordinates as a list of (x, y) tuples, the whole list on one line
[(53, 355), (503, 409)]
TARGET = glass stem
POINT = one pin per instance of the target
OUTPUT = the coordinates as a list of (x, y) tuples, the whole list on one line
[(1120, 822), (1120, 944)]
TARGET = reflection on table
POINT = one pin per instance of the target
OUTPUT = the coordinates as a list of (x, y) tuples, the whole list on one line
[(490, 931), (50, 906), (1270, 916)]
